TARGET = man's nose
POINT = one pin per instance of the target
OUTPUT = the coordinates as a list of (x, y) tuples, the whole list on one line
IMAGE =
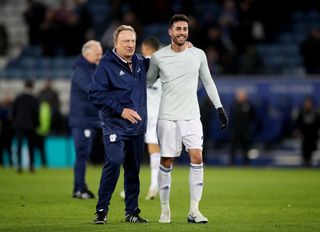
[(131, 44)]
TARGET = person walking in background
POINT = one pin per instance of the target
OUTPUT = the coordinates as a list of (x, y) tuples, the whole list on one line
[(83, 117), (6, 130), (43, 130), (25, 115), (179, 69), (149, 46), (308, 123), (242, 118), (119, 90)]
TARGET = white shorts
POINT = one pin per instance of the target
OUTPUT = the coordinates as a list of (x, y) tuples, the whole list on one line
[(151, 134), (172, 134)]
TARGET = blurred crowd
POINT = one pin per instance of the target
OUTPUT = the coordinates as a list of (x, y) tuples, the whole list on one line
[(227, 30)]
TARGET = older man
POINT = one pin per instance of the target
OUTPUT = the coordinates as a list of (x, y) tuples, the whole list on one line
[(119, 90), (83, 116)]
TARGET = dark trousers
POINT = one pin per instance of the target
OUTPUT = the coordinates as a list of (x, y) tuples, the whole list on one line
[(5, 145), (308, 147), (30, 136), (127, 150), (242, 145), (83, 141), (40, 142)]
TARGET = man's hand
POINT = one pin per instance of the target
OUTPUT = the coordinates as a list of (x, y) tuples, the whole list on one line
[(223, 118), (189, 44), (131, 115)]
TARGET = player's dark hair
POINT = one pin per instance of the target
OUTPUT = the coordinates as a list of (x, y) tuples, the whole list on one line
[(29, 84), (178, 17), (152, 42)]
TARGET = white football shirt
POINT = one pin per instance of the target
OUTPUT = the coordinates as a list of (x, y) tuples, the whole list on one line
[(179, 73)]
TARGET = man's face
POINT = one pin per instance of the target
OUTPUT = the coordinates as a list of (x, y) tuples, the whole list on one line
[(179, 32), (125, 44), (94, 54)]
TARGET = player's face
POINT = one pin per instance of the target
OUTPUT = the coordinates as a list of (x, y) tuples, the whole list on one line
[(95, 54), (125, 44), (179, 32)]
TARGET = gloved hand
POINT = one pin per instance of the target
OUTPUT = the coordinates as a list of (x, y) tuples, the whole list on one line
[(223, 118)]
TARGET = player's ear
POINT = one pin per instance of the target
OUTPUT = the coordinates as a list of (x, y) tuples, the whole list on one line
[(170, 31)]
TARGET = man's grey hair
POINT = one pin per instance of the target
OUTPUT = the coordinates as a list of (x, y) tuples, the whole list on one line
[(88, 46), (123, 28)]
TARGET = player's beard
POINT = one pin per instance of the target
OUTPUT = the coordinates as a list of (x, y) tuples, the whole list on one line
[(179, 42)]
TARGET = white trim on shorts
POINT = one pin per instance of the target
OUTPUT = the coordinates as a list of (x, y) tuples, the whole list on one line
[(172, 134)]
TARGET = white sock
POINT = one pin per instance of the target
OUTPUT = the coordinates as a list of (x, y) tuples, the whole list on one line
[(164, 180), (196, 185), (154, 166)]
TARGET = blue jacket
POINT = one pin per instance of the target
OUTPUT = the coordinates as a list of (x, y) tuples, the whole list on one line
[(82, 113), (115, 87)]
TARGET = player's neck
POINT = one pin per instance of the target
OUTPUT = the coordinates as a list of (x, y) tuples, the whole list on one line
[(178, 48)]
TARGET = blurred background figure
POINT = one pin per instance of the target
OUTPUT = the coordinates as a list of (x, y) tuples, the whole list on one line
[(25, 114), (308, 123), (310, 51), (149, 46), (242, 119), (34, 16), (6, 130), (50, 95), (250, 61), (4, 43), (43, 130), (84, 117)]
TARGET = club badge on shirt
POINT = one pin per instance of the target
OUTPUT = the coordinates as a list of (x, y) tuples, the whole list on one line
[(87, 133), (113, 138)]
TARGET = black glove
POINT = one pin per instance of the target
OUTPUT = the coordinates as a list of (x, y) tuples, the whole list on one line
[(223, 118)]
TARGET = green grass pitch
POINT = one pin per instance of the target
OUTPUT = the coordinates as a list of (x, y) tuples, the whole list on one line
[(234, 199)]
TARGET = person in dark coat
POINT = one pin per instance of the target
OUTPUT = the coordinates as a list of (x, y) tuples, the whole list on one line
[(6, 130), (242, 120), (308, 123), (119, 90), (25, 114), (83, 115)]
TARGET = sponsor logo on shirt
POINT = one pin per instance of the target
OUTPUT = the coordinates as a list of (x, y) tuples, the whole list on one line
[(121, 73)]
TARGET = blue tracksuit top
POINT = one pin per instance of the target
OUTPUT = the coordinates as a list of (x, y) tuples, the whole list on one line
[(82, 113), (115, 87)]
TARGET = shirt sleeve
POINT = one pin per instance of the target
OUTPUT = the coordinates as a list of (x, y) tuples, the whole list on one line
[(100, 93), (153, 72), (208, 82)]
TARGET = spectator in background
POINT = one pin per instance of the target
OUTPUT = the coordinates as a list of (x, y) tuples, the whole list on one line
[(78, 26), (83, 117), (34, 16), (308, 123), (6, 130), (242, 118), (107, 37), (4, 42), (50, 95), (250, 62), (25, 114), (214, 62), (310, 51)]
